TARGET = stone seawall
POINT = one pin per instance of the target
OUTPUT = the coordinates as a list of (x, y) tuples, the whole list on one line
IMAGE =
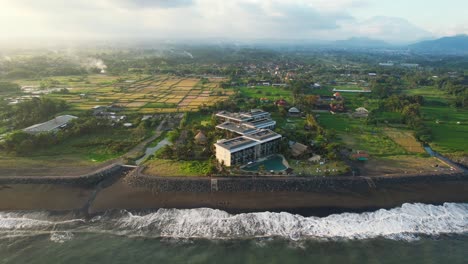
[(90, 180), (281, 184)]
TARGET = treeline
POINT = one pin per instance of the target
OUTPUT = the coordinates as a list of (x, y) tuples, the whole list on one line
[(458, 87), (408, 107), (34, 111), (9, 87), (24, 144), (41, 66)]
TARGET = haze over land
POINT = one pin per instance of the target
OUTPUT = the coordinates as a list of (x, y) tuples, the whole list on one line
[(396, 22)]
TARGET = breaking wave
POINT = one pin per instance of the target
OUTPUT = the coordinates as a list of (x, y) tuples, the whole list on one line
[(403, 223)]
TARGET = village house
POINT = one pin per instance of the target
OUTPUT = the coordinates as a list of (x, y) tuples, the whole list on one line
[(281, 102), (361, 112), (360, 155), (200, 138), (315, 86), (105, 112), (294, 112)]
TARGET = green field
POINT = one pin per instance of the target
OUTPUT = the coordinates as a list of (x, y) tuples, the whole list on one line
[(173, 168), (448, 136), (339, 122), (355, 134), (195, 118), (270, 92)]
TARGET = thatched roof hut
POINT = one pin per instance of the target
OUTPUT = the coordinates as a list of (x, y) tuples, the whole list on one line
[(200, 138), (298, 149)]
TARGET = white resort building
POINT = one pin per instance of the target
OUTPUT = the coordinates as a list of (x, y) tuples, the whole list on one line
[(248, 148), (245, 123), (256, 138)]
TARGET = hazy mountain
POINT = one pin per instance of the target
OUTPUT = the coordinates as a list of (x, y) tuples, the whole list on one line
[(361, 42), (452, 45)]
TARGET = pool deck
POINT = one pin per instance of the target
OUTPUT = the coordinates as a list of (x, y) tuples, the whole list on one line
[(261, 160)]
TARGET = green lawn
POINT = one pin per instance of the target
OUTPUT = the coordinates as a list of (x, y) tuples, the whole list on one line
[(197, 118), (306, 168), (339, 122), (270, 92), (288, 122), (171, 168)]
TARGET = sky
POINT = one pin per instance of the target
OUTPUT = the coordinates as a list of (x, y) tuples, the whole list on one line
[(394, 21)]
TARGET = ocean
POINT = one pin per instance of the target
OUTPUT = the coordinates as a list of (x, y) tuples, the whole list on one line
[(412, 233)]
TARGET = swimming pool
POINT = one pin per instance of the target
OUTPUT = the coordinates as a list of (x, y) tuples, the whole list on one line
[(272, 163)]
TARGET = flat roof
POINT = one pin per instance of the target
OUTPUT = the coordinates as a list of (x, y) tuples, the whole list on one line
[(238, 142), (50, 125), (242, 116), (234, 116), (239, 129), (261, 122), (263, 135)]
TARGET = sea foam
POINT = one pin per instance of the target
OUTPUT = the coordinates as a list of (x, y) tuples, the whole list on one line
[(407, 222)]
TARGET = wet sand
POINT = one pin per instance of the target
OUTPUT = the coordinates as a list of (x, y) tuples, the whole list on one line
[(122, 196), (51, 197), (320, 201)]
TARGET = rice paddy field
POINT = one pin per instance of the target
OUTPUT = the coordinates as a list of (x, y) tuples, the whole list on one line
[(449, 125), (138, 93), (405, 139)]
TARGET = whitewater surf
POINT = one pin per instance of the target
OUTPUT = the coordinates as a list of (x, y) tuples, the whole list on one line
[(407, 222)]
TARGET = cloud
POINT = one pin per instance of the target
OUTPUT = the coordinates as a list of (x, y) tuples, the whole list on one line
[(188, 19), (390, 29), (155, 3)]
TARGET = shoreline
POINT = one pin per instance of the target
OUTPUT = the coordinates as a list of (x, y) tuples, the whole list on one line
[(119, 187)]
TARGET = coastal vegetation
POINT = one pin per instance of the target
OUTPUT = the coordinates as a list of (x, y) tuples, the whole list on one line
[(407, 107)]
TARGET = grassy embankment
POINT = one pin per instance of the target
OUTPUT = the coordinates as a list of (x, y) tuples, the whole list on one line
[(171, 168)]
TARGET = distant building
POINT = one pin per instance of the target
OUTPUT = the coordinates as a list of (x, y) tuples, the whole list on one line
[(372, 74), (387, 64), (248, 148), (360, 155), (293, 111), (281, 102), (53, 125), (316, 86), (106, 112), (410, 65), (361, 112), (279, 85)]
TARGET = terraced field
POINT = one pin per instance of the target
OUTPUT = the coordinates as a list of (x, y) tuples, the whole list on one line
[(141, 94)]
